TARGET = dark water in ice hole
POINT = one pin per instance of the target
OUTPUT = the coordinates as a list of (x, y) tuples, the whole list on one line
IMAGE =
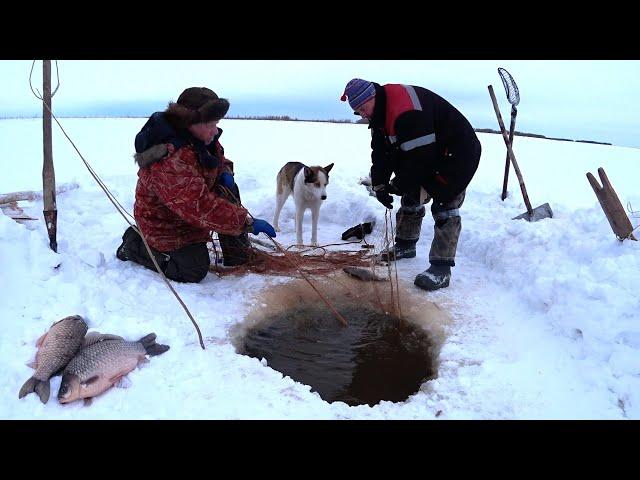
[(376, 357)]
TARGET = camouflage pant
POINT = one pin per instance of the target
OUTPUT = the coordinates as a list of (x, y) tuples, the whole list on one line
[(446, 229)]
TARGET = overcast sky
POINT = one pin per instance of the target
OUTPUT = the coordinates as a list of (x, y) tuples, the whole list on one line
[(582, 100)]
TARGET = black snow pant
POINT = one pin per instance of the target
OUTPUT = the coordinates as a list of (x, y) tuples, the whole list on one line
[(190, 263), (235, 250), (187, 264), (446, 229)]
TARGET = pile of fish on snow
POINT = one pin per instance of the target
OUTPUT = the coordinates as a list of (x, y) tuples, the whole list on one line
[(89, 364)]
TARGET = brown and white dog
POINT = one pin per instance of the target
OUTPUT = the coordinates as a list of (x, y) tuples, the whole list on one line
[(309, 188)]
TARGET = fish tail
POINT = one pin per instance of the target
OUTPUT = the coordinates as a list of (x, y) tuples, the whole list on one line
[(151, 347), (28, 387), (41, 387), (148, 340)]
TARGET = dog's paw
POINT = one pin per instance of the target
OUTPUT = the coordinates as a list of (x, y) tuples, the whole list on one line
[(276, 228)]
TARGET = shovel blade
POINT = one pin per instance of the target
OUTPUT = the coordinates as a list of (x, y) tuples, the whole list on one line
[(538, 213)]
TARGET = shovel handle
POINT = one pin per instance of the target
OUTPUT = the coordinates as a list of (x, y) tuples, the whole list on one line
[(510, 151)]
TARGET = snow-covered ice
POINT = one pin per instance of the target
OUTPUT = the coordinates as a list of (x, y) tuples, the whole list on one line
[(545, 316)]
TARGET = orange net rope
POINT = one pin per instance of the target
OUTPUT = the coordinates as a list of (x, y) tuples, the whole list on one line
[(310, 261), (313, 261), (282, 261)]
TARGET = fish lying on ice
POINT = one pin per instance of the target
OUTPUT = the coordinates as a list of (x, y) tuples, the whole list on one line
[(95, 337), (55, 349), (100, 365), (364, 274)]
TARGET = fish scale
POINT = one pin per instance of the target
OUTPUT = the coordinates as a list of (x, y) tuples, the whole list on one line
[(102, 355), (55, 349), (59, 346), (97, 366)]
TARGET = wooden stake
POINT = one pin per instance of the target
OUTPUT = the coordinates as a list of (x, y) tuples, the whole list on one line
[(611, 205), (48, 173)]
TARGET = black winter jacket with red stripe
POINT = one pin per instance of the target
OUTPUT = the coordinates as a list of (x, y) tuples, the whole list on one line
[(424, 140)]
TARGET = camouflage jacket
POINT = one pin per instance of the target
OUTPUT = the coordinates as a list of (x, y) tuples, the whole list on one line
[(177, 203)]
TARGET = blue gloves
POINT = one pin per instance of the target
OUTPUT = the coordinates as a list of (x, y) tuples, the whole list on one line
[(263, 226), (226, 179)]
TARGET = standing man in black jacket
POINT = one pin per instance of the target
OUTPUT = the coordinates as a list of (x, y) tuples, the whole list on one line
[(433, 151)]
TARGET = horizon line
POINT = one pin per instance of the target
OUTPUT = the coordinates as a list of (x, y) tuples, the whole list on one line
[(287, 118)]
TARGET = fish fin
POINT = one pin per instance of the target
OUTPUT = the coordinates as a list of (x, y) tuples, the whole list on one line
[(32, 364), (118, 376), (90, 338), (148, 340), (89, 381), (95, 337), (143, 361), (156, 349), (123, 382), (88, 401), (42, 389), (40, 340), (151, 347), (111, 336), (28, 387)]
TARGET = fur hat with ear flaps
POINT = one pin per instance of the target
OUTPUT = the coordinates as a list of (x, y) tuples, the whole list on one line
[(196, 105)]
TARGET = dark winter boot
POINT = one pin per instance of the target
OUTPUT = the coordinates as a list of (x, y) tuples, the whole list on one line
[(127, 237), (433, 278), (120, 253), (235, 250), (133, 249), (402, 249), (409, 222)]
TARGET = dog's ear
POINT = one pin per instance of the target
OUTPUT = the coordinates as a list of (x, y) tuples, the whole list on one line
[(328, 168), (308, 175)]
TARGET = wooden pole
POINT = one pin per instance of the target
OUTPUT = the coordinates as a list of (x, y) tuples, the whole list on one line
[(512, 127), (510, 151), (48, 174)]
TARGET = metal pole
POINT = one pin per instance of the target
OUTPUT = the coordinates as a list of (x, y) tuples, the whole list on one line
[(48, 174)]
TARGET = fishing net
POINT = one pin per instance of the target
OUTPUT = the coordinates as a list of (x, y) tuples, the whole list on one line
[(274, 259), (318, 264), (510, 87), (314, 261)]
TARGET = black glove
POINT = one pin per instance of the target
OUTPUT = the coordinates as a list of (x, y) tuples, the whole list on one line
[(394, 186), (382, 194)]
